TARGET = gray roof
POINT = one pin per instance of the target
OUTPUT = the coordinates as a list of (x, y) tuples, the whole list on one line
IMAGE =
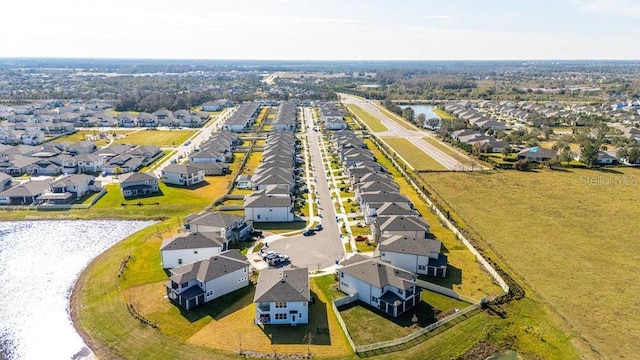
[(209, 269), (260, 199), (409, 245), (401, 223), (283, 285), (72, 180), (27, 189), (395, 208), (136, 177), (215, 219), (194, 240), (185, 169), (377, 273)]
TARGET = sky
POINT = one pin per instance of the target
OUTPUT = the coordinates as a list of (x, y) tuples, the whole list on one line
[(322, 29)]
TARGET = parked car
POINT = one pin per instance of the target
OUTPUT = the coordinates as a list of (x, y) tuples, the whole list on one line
[(308, 232), (257, 233), (361, 238), (317, 227), (278, 260), (269, 254)]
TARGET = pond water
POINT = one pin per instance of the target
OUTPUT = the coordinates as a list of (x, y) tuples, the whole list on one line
[(427, 110), (40, 262)]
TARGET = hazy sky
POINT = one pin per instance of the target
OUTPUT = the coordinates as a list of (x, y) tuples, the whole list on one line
[(322, 29)]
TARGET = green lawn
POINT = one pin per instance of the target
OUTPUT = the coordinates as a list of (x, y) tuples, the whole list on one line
[(400, 120), (454, 153), (157, 137), (547, 227), (371, 121), (415, 157), (465, 276), (443, 114), (81, 135)]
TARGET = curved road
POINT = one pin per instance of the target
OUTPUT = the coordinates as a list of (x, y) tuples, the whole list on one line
[(415, 136)]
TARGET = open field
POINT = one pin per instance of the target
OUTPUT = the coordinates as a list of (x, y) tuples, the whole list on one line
[(454, 153), (443, 114), (415, 157), (569, 236), (372, 122), (157, 137), (400, 120), (81, 135)]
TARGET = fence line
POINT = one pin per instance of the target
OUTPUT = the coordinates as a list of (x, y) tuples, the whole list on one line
[(417, 334), (444, 291), (334, 306), (446, 221)]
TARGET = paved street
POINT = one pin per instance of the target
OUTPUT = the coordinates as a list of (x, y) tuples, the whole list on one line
[(415, 136), (321, 250)]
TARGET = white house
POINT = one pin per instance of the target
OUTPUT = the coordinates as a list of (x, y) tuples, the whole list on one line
[(230, 227), (182, 174), (282, 296), (188, 248), (381, 285), (263, 207), (420, 256), (203, 281)]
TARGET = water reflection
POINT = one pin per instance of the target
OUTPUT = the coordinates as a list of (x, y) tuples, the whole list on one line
[(39, 262)]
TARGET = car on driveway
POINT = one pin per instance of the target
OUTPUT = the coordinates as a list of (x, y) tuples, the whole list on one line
[(278, 260), (308, 232), (360, 238), (269, 254), (317, 227)]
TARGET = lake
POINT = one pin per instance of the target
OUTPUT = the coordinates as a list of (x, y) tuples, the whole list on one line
[(41, 261), (427, 110)]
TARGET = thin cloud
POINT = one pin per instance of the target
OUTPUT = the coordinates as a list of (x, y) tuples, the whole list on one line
[(626, 8)]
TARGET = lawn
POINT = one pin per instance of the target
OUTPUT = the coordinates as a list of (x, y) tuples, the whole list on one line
[(81, 135), (454, 153), (443, 114), (415, 157), (546, 226), (400, 120), (157, 137), (464, 275), (371, 121)]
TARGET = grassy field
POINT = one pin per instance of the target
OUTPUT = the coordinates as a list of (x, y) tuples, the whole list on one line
[(415, 157), (81, 135), (454, 153), (443, 114), (547, 227), (464, 275), (157, 137), (372, 122), (400, 120)]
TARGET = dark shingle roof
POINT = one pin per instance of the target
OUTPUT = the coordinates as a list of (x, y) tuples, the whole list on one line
[(283, 285), (379, 274), (194, 240), (209, 269), (408, 245)]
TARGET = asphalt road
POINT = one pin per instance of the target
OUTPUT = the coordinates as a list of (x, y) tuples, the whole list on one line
[(321, 250), (415, 136)]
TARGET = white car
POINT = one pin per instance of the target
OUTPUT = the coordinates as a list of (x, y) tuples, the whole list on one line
[(269, 254)]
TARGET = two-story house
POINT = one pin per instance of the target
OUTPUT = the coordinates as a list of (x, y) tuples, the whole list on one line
[(282, 296)]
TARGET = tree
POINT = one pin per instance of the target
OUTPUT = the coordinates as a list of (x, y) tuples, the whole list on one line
[(589, 152), (432, 123), (506, 151), (634, 155), (408, 114), (565, 155), (420, 119)]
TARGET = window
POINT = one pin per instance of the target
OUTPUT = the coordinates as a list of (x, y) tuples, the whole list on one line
[(258, 216), (184, 284), (179, 261), (244, 270), (421, 267), (195, 251), (281, 316), (210, 293), (304, 303), (383, 254), (374, 299), (280, 305)]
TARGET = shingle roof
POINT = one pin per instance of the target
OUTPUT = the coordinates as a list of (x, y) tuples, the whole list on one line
[(283, 285), (378, 274), (209, 269), (194, 240), (408, 245)]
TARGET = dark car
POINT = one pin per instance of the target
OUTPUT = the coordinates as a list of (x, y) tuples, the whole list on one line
[(317, 227), (308, 232), (257, 233)]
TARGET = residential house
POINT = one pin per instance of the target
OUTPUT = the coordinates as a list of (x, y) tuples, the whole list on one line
[(282, 296), (381, 285), (138, 184), (420, 256), (206, 280), (25, 193), (188, 248), (5, 181), (68, 189), (407, 226), (185, 175), (537, 153), (230, 227), (211, 168), (262, 206)]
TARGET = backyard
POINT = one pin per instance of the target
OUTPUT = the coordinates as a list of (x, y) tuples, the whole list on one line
[(561, 219)]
